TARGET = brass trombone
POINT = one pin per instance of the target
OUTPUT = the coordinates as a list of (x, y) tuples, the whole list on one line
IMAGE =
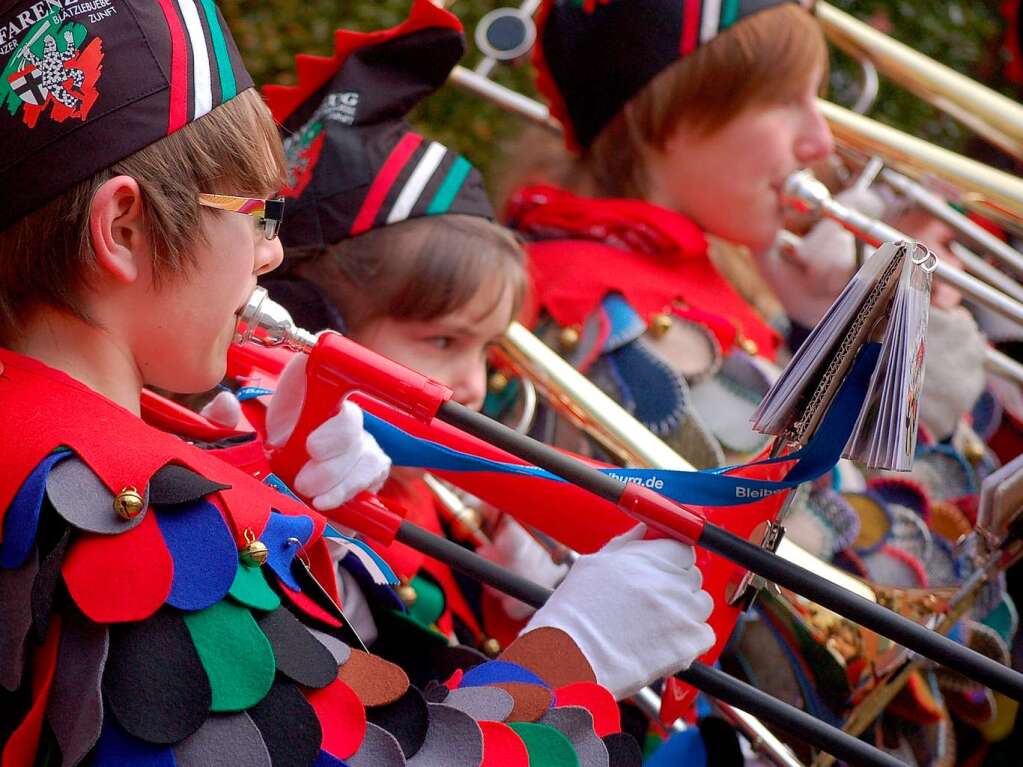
[(979, 187), (990, 115), (804, 193)]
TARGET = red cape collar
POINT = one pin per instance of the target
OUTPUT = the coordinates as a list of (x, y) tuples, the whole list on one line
[(656, 259), (42, 409)]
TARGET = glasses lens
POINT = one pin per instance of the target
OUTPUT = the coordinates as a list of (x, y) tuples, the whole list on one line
[(272, 217), (270, 228)]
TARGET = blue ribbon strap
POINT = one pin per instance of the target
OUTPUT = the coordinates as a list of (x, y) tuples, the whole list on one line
[(702, 488)]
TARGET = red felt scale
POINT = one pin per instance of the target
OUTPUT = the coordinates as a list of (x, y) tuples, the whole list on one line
[(342, 716), (120, 578)]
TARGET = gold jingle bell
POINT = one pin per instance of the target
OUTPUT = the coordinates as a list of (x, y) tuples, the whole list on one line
[(255, 552), (498, 382), (749, 346), (491, 647), (128, 503), (569, 338), (407, 594), (973, 450), (660, 324)]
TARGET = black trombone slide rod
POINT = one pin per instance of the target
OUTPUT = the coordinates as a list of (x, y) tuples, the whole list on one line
[(715, 683), (911, 635)]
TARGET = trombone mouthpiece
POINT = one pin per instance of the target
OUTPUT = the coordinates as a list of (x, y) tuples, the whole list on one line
[(804, 193), (267, 323)]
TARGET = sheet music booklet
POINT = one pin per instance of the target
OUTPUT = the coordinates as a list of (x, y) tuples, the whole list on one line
[(886, 301)]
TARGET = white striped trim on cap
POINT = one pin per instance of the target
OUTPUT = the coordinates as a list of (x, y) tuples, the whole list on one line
[(201, 74), (417, 182), (710, 21)]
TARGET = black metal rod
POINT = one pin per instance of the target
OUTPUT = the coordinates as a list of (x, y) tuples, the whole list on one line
[(911, 635), (715, 683), (923, 640), (529, 449), (472, 564), (807, 728)]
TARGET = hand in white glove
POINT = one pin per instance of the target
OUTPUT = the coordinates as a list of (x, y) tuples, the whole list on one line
[(635, 609), (344, 459), (808, 278), (516, 550), (954, 377)]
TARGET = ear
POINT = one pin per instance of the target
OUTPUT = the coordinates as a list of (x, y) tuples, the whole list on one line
[(117, 228)]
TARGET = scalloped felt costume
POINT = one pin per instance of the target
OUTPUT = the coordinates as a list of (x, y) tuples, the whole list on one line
[(158, 604), (148, 632)]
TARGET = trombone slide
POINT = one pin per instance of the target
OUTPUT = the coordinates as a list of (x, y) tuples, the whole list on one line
[(806, 193), (617, 430)]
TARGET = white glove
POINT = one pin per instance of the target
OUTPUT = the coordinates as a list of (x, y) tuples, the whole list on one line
[(808, 279), (635, 609), (516, 550), (344, 459), (224, 410), (954, 377)]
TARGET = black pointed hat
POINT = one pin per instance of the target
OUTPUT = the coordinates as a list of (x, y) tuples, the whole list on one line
[(355, 164)]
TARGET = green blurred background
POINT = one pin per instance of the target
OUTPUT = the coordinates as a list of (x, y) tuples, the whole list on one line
[(965, 35)]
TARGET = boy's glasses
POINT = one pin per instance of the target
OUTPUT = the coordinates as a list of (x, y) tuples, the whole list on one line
[(268, 213)]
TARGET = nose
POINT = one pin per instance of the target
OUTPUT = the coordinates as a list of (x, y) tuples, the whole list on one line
[(469, 384), (269, 255), (814, 141)]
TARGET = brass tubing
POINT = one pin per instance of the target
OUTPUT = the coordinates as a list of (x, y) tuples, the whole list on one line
[(804, 192), (980, 187), (969, 231), (587, 406), (868, 709), (991, 115), (457, 513)]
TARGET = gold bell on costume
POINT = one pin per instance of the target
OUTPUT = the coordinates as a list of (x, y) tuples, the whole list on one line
[(128, 503), (255, 552)]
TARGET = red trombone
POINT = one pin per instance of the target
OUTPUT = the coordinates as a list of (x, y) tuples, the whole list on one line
[(338, 368)]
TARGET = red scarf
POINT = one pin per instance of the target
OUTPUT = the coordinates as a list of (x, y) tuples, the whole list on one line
[(586, 248)]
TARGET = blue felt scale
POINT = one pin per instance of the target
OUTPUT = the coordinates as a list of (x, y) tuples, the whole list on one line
[(116, 748), (22, 519), (284, 536), (204, 554), (498, 671)]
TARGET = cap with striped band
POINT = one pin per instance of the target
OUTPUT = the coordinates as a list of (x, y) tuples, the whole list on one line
[(593, 56), (355, 164), (84, 86)]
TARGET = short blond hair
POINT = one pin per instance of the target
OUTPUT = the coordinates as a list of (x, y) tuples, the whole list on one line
[(47, 256)]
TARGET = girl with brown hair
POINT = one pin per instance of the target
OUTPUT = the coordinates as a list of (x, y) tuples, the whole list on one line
[(682, 122)]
